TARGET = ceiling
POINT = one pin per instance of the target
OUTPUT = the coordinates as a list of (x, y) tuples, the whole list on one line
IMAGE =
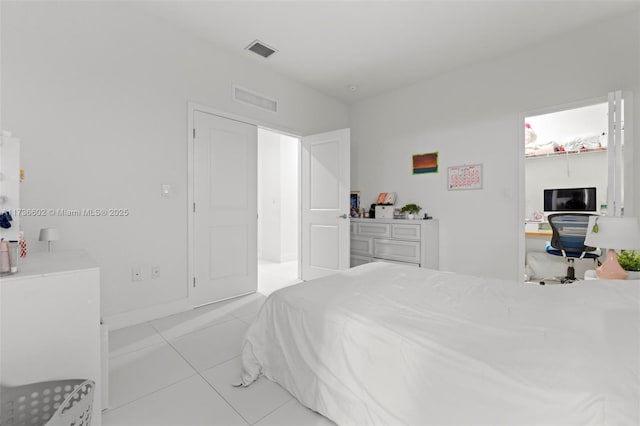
[(377, 46)]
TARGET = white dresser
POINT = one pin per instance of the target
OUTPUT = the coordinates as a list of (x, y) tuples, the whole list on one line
[(413, 242), (50, 322)]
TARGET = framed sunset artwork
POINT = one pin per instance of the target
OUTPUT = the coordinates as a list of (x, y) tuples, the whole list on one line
[(425, 163)]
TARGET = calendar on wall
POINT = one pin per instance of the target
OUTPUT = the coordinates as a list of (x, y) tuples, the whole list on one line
[(465, 177)]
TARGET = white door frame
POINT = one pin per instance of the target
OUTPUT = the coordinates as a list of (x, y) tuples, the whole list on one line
[(192, 107), (630, 181)]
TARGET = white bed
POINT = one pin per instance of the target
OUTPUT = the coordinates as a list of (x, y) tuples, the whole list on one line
[(390, 344)]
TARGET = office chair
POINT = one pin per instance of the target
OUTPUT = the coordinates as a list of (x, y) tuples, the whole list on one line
[(569, 231)]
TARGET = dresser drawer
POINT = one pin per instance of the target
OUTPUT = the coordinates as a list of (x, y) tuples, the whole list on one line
[(362, 246), (412, 242), (382, 230), (397, 262), (403, 251), (353, 228), (405, 232)]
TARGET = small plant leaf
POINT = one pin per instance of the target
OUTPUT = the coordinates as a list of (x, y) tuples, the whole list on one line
[(629, 260)]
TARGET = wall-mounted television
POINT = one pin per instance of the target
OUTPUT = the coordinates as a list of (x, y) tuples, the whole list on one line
[(570, 200)]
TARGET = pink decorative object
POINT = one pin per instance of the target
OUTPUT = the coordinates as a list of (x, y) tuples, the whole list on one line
[(611, 269), (23, 244)]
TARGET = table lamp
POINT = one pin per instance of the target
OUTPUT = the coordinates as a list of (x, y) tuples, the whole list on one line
[(612, 232), (48, 235)]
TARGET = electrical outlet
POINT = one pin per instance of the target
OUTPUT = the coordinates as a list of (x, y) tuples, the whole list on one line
[(155, 272), (136, 274)]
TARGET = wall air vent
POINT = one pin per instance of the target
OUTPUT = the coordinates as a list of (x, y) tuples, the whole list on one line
[(248, 97), (261, 49)]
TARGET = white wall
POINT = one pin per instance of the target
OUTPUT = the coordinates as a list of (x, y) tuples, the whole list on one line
[(269, 204), (278, 205), (289, 188), (564, 171), (98, 94), (474, 115)]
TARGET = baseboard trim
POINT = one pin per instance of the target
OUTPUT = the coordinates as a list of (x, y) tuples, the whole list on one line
[(139, 316)]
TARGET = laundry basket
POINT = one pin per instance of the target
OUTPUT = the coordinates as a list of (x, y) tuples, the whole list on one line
[(54, 403)]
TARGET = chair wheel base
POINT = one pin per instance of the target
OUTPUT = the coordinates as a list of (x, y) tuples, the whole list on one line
[(563, 280)]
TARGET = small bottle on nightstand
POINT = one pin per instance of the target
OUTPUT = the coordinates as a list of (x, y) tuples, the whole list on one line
[(603, 209)]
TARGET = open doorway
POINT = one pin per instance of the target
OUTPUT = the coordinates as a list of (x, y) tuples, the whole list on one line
[(565, 149), (223, 179), (278, 210)]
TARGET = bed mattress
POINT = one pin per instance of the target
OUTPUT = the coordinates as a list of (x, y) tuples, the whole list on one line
[(391, 344)]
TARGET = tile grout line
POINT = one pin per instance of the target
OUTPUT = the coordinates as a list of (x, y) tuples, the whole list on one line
[(203, 378), (111, 409), (275, 409), (221, 396), (163, 339)]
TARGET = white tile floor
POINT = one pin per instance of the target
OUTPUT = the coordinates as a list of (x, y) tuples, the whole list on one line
[(179, 370)]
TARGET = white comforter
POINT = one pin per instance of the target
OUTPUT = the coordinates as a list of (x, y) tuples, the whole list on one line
[(390, 344)]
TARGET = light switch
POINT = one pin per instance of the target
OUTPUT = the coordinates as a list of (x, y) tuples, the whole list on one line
[(166, 190)]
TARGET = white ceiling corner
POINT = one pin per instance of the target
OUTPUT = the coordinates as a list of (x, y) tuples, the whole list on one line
[(378, 45)]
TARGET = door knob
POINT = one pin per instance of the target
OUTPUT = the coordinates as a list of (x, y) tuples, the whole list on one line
[(344, 216)]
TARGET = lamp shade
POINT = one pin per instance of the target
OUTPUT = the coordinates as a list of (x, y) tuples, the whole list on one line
[(613, 232), (49, 234)]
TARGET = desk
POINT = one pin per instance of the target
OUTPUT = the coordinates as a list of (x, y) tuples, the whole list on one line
[(545, 234), (537, 235), (536, 241)]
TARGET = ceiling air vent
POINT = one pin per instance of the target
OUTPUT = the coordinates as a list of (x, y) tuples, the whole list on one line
[(252, 98), (261, 49)]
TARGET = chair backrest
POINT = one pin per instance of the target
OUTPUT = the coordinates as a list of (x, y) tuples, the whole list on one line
[(569, 231)]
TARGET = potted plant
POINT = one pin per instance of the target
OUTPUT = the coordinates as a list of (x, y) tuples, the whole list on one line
[(411, 210), (630, 262)]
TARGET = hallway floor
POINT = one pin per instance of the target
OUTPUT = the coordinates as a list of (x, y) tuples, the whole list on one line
[(273, 276)]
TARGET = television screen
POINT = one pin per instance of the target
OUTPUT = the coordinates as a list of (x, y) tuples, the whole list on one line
[(570, 200)]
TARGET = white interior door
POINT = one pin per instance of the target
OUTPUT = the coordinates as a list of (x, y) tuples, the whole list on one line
[(225, 208), (325, 189)]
